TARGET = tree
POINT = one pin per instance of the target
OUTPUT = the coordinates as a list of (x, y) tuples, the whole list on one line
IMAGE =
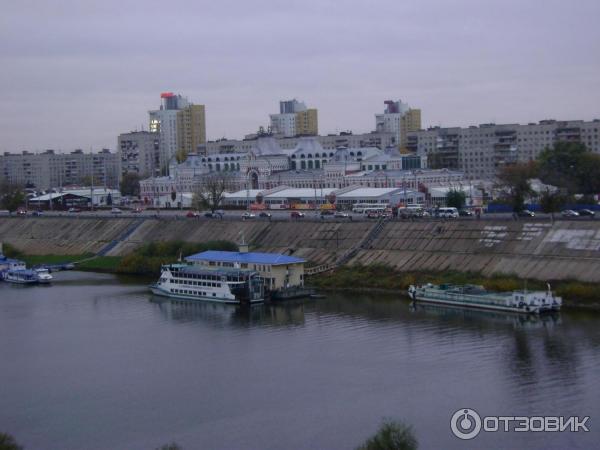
[(551, 202), (181, 155), (588, 174), (455, 199), (514, 181), (572, 167), (210, 190), (392, 436), (86, 180), (130, 184), (11, 196), (172, 446), (7, 442)]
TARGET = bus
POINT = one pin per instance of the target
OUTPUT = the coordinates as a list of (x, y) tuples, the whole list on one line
[(364, 208)]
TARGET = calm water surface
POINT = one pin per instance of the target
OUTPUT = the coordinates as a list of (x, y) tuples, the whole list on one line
[(95, 362)]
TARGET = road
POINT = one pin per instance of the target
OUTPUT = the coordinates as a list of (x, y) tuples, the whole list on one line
[(281, 216)]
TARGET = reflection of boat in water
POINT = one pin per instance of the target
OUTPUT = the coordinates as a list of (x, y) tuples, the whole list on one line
[(472, 296), (517, 320), (231, 315), (221, 285)]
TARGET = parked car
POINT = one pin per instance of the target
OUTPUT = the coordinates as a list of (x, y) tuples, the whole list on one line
[(586, 212), (296, 215), (526, 213), (569, 213), (327, 212), (449, 213), (21, 212), (465, 213), (74, 210), (265, 214), (213, 215), (137, 210), (116, 211), (37, 213), (373, 215), (248, 215), (341, 215), (192, 214)]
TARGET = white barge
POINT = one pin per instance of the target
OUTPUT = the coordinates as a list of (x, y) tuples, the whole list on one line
[(222, 285), (472, 296)]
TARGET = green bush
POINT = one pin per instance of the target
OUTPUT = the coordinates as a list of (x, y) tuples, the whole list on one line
[(148, 259), (392, 436)]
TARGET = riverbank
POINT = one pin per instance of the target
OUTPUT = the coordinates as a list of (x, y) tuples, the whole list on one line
[(386, 279)]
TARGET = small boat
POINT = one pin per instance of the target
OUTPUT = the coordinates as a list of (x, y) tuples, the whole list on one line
[(473, 296), (21, 276), (222, 285), (43, 274)]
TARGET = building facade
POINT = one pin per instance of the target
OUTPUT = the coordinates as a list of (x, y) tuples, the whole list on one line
[(181, 126), (294, 119), (380, 140), (191, 128), (398, 118), (481, 151), (52, 170), (140, 153)]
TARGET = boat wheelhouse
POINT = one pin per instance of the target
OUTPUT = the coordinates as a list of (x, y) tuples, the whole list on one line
[(223, 285), (472, 296)]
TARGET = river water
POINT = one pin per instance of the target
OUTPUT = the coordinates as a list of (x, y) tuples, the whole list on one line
[(96, 362)]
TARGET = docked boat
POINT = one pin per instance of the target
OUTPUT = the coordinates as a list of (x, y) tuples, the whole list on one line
[(21, 276), (472, 296), (43, 274), (222, 285)]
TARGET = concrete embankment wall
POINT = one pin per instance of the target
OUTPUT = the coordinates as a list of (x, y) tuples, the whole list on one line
[(535, 249)]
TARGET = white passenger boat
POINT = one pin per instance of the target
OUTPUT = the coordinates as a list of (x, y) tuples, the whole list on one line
[(43, 274), (21, 276), (471, 296), (222, 285)]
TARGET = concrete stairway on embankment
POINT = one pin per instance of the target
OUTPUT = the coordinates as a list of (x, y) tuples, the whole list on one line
[(319, 242), (62, 235)]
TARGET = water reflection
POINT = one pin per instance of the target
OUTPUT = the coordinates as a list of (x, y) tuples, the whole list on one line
[(221, 315)]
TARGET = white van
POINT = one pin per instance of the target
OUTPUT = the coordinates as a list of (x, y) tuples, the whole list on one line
[(449, 213)]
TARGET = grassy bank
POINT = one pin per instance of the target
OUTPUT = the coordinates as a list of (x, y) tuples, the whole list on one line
[(386, 278), (145, 260)]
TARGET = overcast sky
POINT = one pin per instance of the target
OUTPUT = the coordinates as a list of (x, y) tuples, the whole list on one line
[(73, 75)]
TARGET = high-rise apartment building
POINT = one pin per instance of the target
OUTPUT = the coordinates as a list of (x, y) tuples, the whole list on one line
[(480, 151), (140, 152), (190, 126), (307, 123), (295, 119), (51, 170), (398, 118)]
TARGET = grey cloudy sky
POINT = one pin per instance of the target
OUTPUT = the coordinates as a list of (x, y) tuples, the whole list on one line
[(75, 74)]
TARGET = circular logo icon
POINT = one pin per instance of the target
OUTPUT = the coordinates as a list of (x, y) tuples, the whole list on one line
[(465, 423)]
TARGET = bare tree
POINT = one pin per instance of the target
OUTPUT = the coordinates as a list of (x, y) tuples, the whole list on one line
[(209, 192)]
